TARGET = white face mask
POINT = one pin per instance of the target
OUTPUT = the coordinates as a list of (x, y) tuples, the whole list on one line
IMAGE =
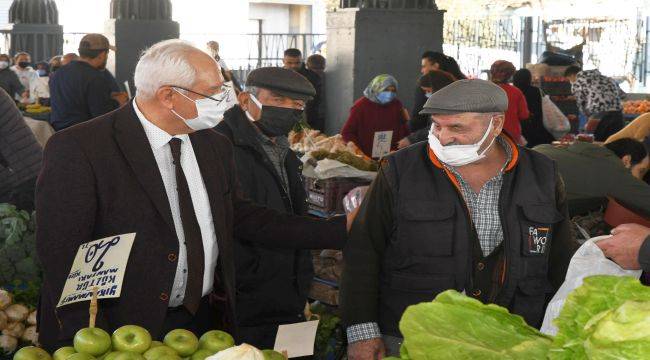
[(459, 155), (209, 111), (4, 65)]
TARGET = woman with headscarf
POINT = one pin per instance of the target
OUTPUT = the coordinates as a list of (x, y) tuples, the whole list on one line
[(377, 111), (533, 129), (501, 72)]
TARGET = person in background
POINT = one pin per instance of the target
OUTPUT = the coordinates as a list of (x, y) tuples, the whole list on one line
[(600, 99), (20, 157), (213, 49), (68, 58), (378, 110), (120, 97), (42, 88), (272, 283), (55, 63), (420, 125), (292, 60), (9, 81), (449, 214), (27, 76), (79, 91), (592, 173), (533, 129), (431, 61), (501, 73), (317, 64)]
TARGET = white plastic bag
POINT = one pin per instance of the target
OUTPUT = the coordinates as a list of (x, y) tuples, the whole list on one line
[(554, 120), (587, 261), (354, 198)]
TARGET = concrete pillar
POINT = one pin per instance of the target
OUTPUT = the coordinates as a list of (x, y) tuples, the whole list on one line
[(134, 26), (527, 36), (34, 27), (365, 42)]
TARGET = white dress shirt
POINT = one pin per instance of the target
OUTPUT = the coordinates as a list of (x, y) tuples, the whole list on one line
[(159, 141)]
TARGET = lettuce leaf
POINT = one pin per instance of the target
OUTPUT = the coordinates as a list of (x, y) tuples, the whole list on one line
[(455, 326), (608, 317)]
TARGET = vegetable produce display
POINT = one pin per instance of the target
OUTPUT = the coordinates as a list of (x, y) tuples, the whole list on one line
[(17, 247), (608, 317), (17, 323), (636, 106), (334, 148)]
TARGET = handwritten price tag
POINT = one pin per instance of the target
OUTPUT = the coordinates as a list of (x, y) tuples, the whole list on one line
[(99, 263)]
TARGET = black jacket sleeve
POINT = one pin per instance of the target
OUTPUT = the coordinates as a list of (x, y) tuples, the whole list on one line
[(644, 255), (99, 97), (564, 244), (363, 253)]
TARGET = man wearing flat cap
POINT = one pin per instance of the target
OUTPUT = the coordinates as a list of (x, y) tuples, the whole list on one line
[(272, 283), (156, 168), (469, 210)]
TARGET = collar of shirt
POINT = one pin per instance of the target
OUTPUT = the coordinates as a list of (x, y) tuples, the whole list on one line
[(157, 137)]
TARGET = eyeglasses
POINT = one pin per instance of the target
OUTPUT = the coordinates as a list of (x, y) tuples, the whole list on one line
[(225, 93)]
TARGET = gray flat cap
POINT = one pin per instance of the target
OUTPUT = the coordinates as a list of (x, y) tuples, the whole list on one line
[(282, 81), (465, 96)]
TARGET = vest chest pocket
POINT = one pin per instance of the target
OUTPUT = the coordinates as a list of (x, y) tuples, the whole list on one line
[(425, 228), (537, 225)]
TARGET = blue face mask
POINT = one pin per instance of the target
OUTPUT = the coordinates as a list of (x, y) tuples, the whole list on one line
[(428, 94), (42, 72), (385, 97)]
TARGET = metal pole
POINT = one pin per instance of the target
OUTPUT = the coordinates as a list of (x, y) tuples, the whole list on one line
[(260, 40), (526, 54)]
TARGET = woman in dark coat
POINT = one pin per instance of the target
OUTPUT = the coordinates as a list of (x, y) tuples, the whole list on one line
[(533, 129)]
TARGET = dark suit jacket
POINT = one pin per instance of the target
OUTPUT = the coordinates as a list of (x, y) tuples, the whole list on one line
[(100, 178)]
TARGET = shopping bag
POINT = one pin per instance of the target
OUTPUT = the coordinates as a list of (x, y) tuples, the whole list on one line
[(589, 260), (554, 120)]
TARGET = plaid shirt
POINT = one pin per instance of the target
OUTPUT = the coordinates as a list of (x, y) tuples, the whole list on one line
[(277, 152), (484, 211)]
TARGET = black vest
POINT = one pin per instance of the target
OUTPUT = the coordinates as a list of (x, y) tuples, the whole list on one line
[(434, 244)]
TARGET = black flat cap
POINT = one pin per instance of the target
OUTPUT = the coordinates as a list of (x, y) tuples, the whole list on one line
[(467, 96), (282, 81)]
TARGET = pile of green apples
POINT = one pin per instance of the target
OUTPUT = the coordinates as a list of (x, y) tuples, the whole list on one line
[(133, 342)]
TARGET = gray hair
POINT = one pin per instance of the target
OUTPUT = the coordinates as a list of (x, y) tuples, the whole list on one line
[(165, 63)]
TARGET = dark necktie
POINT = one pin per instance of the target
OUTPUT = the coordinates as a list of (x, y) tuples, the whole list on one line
[(192, 231)]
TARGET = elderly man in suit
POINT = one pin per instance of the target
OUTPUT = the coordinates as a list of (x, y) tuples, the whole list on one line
[(155, 168)]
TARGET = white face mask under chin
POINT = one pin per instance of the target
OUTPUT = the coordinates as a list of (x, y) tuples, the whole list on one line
[(209, 112), (459, 155)]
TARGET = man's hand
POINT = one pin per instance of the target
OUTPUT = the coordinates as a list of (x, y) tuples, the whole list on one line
[(121, 97), (403, 143), (623, 247), (372, 349), (351, 216)]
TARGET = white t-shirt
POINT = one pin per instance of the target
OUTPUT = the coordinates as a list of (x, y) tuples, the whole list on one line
[(29, 78)]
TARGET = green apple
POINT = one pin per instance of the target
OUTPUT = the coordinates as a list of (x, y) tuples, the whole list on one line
[(111, 355), (80, 356), (156, 344), (131, 338), (272, 355), (183, 341), (216, 340), (32, 353), (127, 355), (157, 352), (201, 354), (63, 353), (92, 341)]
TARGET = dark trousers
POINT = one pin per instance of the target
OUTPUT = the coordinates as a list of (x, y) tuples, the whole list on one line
[(203, 321), (610, 123), (262, 337)]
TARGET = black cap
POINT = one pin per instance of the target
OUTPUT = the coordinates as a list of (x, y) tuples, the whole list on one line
[(282, 81)]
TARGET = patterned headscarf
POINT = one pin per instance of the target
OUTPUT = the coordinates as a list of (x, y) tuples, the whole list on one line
[(377, 85)]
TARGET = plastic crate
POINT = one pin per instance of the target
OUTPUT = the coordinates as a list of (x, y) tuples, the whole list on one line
[(325, 197)]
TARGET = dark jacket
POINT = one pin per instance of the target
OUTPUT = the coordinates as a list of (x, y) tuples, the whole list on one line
[(312, 107), (78, 92), (10, 83), (413, 239), (592, 173), (644, 255), (20, 153), (101, 179), (272, 283), (533, 129), (419, 124)]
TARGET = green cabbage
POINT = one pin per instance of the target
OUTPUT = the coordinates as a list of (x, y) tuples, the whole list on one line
[(455, 326), (608, 317)]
